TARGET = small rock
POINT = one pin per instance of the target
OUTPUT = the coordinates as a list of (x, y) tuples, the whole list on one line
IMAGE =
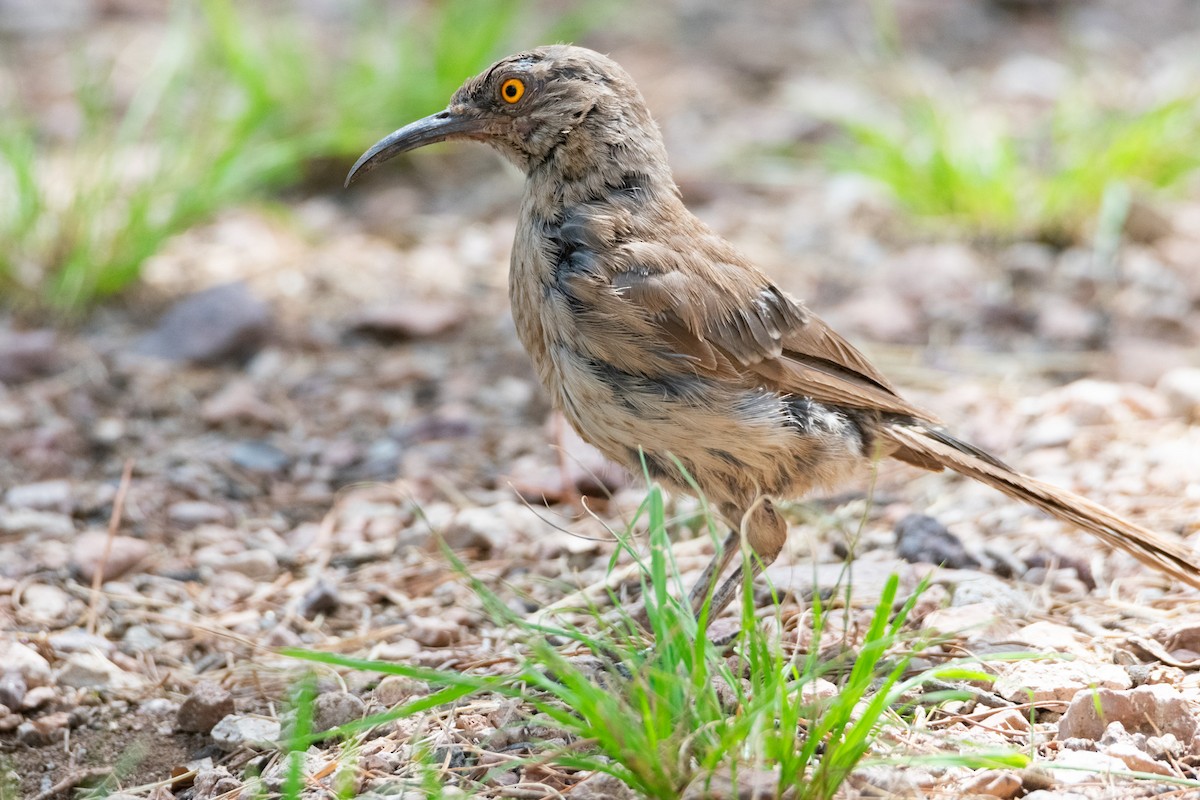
[(140, 639), (320, 599), (44, 730), (214, 783), (1084, 765), (224, 323), (12, 689), (1043, 681), (45, 524), (37, 697), (235, 731), (124, 554), (258, 564), (239, 402), (1055, 794), (395, 689), (94, 671), (409, 320), (818, 691), (993, 783), (1155, 709), (1144, 223), (25, 355), (1052, 638), (9, 721), (1008, 719), (433, 632), (259, 456), (601, 786), (44, 603), (207, 705), (332, 709), (747, 783), (78, 640), (1165, 746), (922, 539), (1054, 430), (971, 588), (197, 512), (41, 496), (972, 620), (1181, 388), (1135, 759)]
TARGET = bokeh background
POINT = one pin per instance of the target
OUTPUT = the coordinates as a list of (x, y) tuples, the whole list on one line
[(999, 200)]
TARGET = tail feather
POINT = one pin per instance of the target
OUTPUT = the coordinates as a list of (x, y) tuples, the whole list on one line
[(1148, 547)]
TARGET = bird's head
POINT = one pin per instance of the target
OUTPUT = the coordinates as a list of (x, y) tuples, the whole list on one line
[(528, 106)]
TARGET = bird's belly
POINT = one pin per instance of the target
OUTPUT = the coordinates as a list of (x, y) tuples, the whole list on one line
[(736, 442)]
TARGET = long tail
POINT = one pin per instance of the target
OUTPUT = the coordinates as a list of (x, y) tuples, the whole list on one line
[(926, 444)]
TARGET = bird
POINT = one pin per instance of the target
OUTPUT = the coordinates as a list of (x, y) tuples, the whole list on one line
[(664, 346)]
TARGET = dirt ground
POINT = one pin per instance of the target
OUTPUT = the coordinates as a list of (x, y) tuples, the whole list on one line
[(375, 401)]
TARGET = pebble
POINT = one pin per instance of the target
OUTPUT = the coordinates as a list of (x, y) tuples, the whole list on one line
[(239, 402), (320, 599), (45, 524), (25, 355), (207, 705), (44, 730), (1154, 709), (410, 320), (139, 639), (258, 564), (197, 512), (977, 587), (435, 632), (41, 496), (234, 731), (395, 689), (78, 640), (993, 783), (37, 697), (94, 671), (223, 323), (1136, 759), (1181, 388), (922, 539), (333, 709), (124, 554), (44, 603), (749, 784), (214, 783), (1043, 681), (601, 786), (259, 456), (12, 689)]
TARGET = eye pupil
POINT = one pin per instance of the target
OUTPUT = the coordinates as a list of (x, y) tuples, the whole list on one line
[(512, 90)]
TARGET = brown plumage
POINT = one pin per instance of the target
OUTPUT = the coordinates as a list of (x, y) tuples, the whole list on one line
[(652, 333)]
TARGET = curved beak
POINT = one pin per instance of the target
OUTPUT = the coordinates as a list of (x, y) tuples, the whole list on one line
[(448, 124)]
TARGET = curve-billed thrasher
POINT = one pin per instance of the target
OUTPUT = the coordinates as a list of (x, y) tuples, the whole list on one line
[(654, 335)]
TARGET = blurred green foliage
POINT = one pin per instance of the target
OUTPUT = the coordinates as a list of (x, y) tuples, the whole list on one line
[(239, 102), (1048, 182)]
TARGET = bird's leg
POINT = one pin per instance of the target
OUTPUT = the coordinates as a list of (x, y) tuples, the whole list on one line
[(716, 567), (765, 533)]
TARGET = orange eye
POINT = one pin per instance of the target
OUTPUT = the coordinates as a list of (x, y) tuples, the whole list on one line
[(512, 90)]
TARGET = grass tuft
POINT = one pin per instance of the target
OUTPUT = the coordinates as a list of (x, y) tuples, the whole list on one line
[(1047, 180), (239, 102), (662, 714)]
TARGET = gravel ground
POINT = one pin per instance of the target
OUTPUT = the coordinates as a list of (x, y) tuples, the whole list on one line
[(284, 475)]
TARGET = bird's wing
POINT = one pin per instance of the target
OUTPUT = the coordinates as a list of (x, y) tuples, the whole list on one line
[(735, 317)]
